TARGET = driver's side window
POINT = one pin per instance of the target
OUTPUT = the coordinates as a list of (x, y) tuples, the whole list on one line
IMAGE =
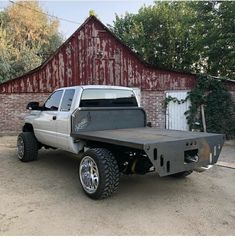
[(53, 101)]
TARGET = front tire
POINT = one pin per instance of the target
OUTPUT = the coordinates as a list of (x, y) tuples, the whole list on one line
[(99, 173), (27, 147)]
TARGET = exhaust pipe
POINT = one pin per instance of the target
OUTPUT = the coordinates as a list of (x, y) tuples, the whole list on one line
[(202, 169)]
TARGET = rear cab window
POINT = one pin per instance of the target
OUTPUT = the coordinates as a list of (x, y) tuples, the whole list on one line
[(67, 100), (108, 98)]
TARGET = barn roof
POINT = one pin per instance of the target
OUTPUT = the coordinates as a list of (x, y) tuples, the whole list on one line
[(110, 32), (134, 72)]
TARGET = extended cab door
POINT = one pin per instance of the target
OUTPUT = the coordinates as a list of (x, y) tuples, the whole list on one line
[(63, 122), (45, 124)]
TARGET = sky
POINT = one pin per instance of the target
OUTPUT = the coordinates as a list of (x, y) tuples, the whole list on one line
[(77, 11)]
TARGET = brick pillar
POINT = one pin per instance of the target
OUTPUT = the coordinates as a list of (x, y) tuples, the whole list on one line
[(153, 103)]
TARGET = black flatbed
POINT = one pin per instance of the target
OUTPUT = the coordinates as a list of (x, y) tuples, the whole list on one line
[(167, 150), (140, 137)]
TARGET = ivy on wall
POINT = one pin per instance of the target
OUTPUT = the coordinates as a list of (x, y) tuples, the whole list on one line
[(219, 107), (175, 100)]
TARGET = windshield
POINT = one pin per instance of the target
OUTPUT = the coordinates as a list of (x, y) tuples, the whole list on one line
[(107, 98)]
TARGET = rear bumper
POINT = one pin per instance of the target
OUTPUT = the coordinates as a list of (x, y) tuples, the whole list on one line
[(199, 154)]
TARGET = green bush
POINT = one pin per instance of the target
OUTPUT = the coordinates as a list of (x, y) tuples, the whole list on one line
[(219, 107)]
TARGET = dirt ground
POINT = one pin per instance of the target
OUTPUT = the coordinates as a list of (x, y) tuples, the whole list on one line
[(44, 198)]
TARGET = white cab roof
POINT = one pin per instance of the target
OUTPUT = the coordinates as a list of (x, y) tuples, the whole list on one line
[(96, 87)]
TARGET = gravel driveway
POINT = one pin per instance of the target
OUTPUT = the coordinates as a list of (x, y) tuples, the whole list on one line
[(44, 198)]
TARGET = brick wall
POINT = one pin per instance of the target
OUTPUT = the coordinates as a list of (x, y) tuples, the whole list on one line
[(153, 103), (13, 107)]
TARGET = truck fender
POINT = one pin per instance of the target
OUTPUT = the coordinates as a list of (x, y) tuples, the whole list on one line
[(27, 127)]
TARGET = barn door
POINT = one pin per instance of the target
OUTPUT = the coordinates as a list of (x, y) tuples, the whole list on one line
[(175, 118)]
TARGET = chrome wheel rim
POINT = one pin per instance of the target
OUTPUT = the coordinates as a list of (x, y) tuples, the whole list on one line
[(20, 147), (89, 174)]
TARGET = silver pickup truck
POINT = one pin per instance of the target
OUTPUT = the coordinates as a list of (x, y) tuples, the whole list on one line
[(107, 128)]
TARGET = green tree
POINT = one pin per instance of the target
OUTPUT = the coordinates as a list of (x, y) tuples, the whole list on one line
[(163, 34), (5, 57), (221, 41), (27, 38), (190, 36)]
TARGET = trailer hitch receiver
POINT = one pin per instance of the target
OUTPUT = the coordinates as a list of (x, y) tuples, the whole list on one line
[(191, 156)]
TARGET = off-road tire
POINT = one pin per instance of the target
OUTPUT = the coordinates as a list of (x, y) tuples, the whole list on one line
[(182, 174), (30, 145), (108, 171)]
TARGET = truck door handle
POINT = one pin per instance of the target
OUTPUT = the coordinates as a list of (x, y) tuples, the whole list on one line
[(54, 117)]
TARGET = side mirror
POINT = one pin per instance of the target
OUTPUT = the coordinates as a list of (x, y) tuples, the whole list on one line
[(33, 106)]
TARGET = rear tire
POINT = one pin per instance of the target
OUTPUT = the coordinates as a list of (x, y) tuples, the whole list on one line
[(27, 147), (182, 174), (98, 173)]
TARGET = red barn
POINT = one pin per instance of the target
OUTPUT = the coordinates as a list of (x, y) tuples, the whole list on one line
[(93, 55)]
